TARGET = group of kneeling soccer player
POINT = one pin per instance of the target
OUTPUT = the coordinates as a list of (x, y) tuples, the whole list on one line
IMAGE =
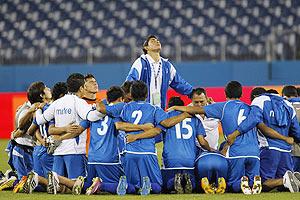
[(67, 141)]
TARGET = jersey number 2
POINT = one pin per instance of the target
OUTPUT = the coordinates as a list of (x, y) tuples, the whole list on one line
[(137, 114)]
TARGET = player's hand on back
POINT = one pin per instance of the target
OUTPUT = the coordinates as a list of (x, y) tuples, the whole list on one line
[(73, 128), (171, 108), (131, 138), (16, 133), (231, 137), (289, 140), (34, 107), (210, 100)]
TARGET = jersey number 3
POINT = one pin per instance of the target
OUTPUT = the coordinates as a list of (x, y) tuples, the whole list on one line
[(102, 130)]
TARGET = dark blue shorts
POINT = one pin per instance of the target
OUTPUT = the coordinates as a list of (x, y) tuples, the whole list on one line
[(137, 166), (70, 166), (274, 164)]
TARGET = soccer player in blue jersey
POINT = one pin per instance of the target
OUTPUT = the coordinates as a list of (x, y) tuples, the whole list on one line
[(178, 163), (276, 161), (104, 166), (243, 154), (140, 162), (290, 93)]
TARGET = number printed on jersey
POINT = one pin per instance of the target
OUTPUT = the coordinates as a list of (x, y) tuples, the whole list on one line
[(241, 116), (184, 125), (137, 114), (102, 130)]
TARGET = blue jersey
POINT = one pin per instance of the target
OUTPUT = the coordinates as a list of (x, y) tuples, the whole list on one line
[(231, 114), (140, 112), (43, 128), (278, 114), (104, 142), (183, 136), (115, 111)]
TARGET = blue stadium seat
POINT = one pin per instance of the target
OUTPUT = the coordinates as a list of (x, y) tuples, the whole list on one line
[(69, 29)]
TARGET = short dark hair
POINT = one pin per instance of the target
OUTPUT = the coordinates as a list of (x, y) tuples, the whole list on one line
[(87, 76), (147, 41), (139, 91), (113, 93), (126, 86), (272, 91), (256, 92), (74, 82), (289, 91), (234, 90), (59, 90), (175, 101), (298, 91), (198, 91), (35, 92)]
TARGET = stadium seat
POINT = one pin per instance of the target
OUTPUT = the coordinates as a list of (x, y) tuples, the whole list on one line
[(69, 29)]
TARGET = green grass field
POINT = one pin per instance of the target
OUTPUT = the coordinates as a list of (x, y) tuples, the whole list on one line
[(9, 195)]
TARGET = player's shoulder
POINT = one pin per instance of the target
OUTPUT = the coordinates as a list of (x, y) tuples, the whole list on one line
[(260, 101)]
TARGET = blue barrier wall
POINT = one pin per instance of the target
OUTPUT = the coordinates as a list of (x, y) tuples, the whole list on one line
[(17, 78)]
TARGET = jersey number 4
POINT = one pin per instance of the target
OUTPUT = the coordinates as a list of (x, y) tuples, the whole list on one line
[(184, 125)]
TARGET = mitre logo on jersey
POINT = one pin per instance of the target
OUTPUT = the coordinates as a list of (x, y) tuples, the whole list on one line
[(64, 111)]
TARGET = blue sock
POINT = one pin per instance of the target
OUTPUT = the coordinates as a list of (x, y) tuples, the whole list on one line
[(170, 184), (131, 189), (86, 185), (156, 188), (109, 187), (236, 186), (40, 188), (193, 180)]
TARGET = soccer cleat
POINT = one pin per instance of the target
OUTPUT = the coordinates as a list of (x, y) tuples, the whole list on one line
[(2, 180), (95, 186), (146, 188), (208, 189), (122, 186), (221, 186), (9, 183), (78, 185), (297, 178), (1, 174), (188, 189), (245, 185), (257, 186), (2, 177), (52, 144), (31, 183), (289, 181), (19, 188), (178, 184), (53, 183)]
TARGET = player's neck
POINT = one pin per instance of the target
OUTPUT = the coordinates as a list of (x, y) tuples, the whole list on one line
[(154, 55), (230, 99), (89, 95)]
